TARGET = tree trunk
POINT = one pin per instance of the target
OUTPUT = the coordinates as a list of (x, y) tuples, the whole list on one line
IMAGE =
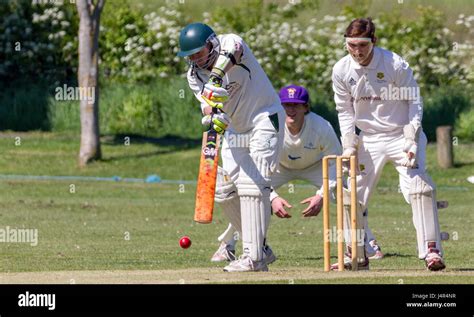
[(88, 77)]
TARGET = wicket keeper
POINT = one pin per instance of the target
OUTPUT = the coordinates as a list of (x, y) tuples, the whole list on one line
[(364, 84)]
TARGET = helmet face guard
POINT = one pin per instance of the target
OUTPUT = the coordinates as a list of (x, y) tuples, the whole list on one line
[(214, 47)]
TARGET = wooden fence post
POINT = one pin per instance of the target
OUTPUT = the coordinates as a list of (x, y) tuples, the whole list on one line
[(444, 144)]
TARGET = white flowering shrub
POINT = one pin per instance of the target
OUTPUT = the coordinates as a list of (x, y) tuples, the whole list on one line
[(37, 41), (305, 55), (140, 47)]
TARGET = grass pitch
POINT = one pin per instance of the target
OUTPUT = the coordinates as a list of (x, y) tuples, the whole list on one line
[(119, 232)]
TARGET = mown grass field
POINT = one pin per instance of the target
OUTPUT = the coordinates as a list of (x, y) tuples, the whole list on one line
[(128, 232)]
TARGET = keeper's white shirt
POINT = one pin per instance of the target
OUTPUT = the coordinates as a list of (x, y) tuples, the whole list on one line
[(251, 92), (380, 97), (302, 154)]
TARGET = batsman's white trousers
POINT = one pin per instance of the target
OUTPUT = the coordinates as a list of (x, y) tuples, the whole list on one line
[(250, 159)]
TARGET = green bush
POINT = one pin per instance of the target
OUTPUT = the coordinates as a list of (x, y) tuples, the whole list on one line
[(164, 107), (443, 106), (64, 115), (138, 55), (139, 47), (464, 128), (24, 107), (38, 41)]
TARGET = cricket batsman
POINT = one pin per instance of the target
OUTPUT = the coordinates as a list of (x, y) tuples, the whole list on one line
[(367, 84), (307, 139), (224, 74)]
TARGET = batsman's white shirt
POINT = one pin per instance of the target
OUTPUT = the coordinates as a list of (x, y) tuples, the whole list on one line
[(302, 154), (251, 92), (366, 96)]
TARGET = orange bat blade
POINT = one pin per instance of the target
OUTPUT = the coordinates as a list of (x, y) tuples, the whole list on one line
[(206, 184)]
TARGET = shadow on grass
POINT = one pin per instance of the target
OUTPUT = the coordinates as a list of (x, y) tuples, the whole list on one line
[(465, 164), (387, 255), (167, 144), (398, 255)]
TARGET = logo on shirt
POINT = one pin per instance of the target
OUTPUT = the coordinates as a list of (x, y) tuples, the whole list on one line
[(381, 77), (352, 81), (232, 87), (293, 157), (310, 146), (291, 92)]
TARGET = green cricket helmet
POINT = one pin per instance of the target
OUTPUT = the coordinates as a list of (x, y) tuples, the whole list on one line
[(194, 37)]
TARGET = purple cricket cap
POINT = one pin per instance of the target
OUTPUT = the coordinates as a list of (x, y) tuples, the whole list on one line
[(294, 94)]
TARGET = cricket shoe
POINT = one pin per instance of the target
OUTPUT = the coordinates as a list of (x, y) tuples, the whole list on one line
[(362, 266), (224, 253), (269, 257), (246, 264), (434, 261)]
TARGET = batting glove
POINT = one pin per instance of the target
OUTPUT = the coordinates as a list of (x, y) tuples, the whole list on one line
[(220, 121), (213, 90)]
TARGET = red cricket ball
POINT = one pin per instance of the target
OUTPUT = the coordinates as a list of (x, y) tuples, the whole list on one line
[(185, 242)]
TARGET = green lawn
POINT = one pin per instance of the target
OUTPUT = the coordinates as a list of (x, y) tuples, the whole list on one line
[(136, 226)]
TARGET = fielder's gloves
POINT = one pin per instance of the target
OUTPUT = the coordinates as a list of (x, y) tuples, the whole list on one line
[(219, 121)]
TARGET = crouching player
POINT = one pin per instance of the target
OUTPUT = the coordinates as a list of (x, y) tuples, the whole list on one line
[(307, 139)]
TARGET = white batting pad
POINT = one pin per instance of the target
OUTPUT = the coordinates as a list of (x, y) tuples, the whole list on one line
[(254, 191), (360, 226), (255, 220), (425, 214), (226, 196)]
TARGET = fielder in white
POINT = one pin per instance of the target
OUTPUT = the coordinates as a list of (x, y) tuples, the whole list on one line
[(375, 91), (308, 138), (225, 75)]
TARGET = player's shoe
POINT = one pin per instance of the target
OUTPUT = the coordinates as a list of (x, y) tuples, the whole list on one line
[(377, 255), (269, 256), (362, 266), (246, 264), (434, 261), (224, 253)]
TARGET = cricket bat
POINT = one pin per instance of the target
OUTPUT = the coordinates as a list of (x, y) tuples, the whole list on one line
[(206, 184)]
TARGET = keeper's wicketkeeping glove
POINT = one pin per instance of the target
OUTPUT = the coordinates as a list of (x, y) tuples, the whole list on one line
[(411, 145), (350, 146)]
